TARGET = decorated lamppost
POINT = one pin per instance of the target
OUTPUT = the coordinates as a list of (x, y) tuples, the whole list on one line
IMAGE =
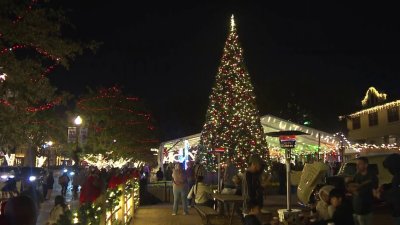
[(77, 122), (49, 144), (287, 140)]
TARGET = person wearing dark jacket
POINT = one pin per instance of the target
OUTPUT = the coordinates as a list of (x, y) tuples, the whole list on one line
[(391, 192), (343, 214), (50, 185), (252, 191), (362, 187), (160, 175)]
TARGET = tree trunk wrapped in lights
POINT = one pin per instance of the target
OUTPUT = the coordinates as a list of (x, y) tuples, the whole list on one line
[(232, 119)]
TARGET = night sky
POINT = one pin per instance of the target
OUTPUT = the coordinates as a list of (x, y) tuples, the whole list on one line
[(323, 56)]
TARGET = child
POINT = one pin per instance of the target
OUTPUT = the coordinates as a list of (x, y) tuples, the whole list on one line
[(251, 218), (343, 214)]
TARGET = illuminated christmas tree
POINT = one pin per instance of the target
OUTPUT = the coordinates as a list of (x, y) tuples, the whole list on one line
[(232, 119)]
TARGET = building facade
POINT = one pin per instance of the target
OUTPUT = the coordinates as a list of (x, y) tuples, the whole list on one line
[(378, 123)]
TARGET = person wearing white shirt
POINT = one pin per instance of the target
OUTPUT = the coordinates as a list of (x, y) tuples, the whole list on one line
[(201, 192)]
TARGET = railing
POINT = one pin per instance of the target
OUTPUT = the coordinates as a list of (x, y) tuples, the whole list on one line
[(123, 212), (116, 207)]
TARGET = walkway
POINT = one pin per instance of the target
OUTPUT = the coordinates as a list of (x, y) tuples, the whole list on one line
[(161, 215), (46, 206)]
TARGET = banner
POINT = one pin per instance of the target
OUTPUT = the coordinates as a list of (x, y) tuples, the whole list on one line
[(71, 134), (83, 135)]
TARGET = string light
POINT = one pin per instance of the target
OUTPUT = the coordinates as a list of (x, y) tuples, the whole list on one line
[(232, 120), (375, 109), (40, 161), (48, 70), (26, 11), (104, 161), (10, 159), (373, 91)]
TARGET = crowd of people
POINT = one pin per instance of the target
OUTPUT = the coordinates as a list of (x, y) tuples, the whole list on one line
[(87, 185), (349, 204), (189, 187), (353, 202)]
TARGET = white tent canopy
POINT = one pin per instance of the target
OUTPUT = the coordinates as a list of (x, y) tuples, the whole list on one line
[(171, 151)]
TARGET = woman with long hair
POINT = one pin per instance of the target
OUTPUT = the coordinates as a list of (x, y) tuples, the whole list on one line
[(179, 188), (59, 209)]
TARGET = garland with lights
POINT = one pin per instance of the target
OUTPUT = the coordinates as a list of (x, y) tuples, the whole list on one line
[(113, 197), (232, 119), (89, 213)]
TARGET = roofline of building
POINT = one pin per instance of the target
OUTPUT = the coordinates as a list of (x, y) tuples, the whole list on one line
[(373, 109)]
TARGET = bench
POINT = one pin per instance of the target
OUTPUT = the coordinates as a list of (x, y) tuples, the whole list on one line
[(206, 213)]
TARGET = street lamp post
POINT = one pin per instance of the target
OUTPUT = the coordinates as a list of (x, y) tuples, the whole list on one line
[(78, 122), (49, 144)]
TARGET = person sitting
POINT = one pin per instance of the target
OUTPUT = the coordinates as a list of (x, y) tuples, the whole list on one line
[(251, 217), (324, 209), (343, 213), (59, 209), (201, 192)]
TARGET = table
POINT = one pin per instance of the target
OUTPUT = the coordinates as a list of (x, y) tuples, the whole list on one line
[(235, 199)]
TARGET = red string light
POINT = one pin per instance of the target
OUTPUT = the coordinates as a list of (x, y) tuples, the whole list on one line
[(116, 93), (109, 93), (46, 106), (45, 123), (27, 10), (5, 102), (39, 50)]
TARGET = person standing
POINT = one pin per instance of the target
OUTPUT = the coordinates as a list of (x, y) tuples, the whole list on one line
[(362, 187), (391, 192), (179, 189), (252, 191), (168, 173), (44, 186), (50, 185), (160, 175), (63, 180), (199, 170), (229, 172), (191, 180)]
